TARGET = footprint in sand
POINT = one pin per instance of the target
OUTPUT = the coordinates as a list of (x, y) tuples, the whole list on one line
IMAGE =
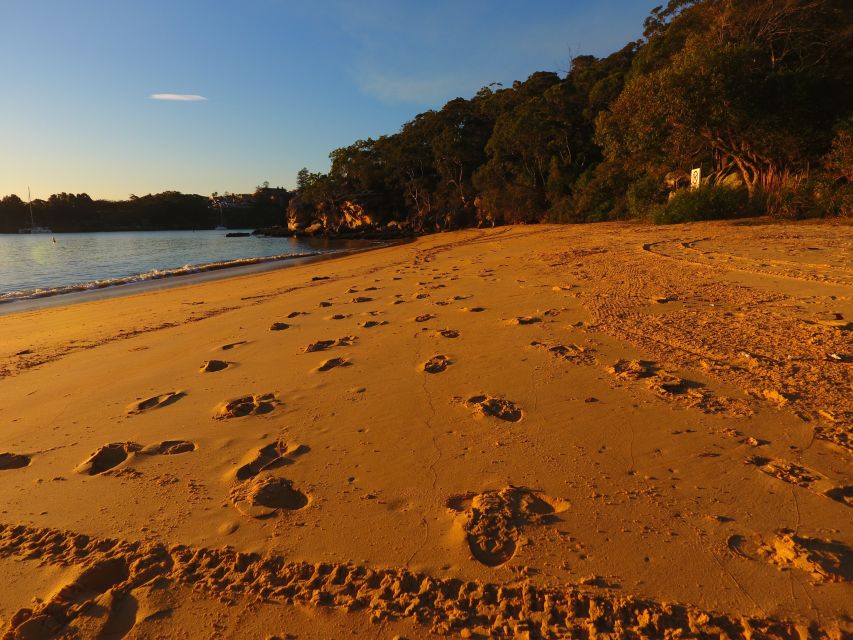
[(449, 333), (374, 323), (271, 456), (264, 496), (525, 320), (322, 345), (168, 448), (325, 303), (333, 363), (359, 299), (425, 317), (232, 345), (659, 381), (294, 314), (9, 461), (493, 520), (437, 364), (107, 457), (339, 316), (260, 496), (85, 607), (822, 560), (473, 309), (253, 405), (212, 366), (155, 402), (672, 388), (495, 407), (279, 326), (804, 477), (571, 352)]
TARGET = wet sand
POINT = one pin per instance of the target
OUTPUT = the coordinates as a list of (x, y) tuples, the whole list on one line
[(543, 431)]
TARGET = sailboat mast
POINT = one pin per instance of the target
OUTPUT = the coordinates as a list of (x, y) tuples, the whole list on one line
[(30, 200)]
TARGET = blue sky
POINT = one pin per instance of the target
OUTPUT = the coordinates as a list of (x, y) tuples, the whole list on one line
[(285, 81)]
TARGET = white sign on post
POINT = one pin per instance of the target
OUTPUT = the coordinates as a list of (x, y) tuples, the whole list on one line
[(695, 178)]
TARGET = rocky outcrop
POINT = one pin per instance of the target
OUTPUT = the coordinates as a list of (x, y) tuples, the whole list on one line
[(348, 218)]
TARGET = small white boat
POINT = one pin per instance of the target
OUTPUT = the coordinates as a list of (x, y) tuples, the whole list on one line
[(221, 226), (33, 228)]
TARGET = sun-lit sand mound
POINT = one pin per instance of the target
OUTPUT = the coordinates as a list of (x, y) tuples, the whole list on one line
[(524, 432)]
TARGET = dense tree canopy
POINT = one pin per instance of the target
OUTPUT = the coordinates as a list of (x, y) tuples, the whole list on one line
[(757, 93)]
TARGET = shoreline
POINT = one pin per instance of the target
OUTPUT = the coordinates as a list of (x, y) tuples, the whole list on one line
[(60, 299)]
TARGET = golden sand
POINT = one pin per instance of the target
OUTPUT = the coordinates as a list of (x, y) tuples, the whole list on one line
[(517, 432)]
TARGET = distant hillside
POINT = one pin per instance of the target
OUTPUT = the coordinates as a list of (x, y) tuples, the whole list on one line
[(168, 210)]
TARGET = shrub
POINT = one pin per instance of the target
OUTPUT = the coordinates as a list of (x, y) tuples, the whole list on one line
[(598, 194), (642, 194), (705, 203)]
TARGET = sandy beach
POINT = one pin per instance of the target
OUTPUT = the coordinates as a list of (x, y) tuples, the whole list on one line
[(605, 430)]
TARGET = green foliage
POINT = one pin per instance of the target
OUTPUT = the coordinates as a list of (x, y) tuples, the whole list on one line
[(642, 194), (705, 203)]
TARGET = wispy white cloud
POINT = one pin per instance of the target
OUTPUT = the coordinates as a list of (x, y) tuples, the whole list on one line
[(178, 97)]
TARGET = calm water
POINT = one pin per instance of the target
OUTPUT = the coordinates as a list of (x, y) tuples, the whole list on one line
[(33, 266)]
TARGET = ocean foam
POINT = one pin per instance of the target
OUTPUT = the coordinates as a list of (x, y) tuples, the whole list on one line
[(154, 274)]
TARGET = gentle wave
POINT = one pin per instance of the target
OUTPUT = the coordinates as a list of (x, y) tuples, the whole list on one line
[(156, 274)]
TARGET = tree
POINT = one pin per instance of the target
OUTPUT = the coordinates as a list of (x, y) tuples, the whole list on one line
[(746, 87)]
